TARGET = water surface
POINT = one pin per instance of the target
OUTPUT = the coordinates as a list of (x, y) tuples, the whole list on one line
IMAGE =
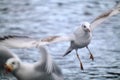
[(41, 18)]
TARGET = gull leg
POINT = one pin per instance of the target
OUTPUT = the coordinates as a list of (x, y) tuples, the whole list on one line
[(91, 56), (81, 66)]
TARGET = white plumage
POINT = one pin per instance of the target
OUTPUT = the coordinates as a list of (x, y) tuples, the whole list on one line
[(44, 69), (80, 38)]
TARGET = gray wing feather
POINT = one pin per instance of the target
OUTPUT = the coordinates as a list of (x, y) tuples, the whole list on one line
[(48, 66), (27, 42), (13, 41), (57, 73), (101, 18), (45, 63), (55, 39)]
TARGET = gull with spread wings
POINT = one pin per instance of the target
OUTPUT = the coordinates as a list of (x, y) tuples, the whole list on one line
[(80, 38)]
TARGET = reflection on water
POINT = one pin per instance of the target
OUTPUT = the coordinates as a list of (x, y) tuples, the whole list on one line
[(40, 18)]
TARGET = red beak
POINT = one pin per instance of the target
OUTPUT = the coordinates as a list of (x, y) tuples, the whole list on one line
[(8, 68)]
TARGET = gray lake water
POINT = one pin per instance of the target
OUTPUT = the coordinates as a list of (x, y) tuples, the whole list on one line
[(42, 18)]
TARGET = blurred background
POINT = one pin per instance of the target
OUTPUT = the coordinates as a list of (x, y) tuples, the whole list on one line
[(42, 18)]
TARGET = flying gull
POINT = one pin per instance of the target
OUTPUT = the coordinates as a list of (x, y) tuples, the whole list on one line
[(82, 36)]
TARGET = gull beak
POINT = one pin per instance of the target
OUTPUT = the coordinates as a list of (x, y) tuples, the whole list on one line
[(8, 68), (88, 30)]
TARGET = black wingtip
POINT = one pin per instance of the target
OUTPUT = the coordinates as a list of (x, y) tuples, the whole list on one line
[(12, 36)]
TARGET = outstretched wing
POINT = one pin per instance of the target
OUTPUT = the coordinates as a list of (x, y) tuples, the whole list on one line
[(27, 42), (13, 41), (5, 54), (105, 16), (55, 39)]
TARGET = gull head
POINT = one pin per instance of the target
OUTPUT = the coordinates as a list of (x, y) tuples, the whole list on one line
[(86, 26), (12, 64)]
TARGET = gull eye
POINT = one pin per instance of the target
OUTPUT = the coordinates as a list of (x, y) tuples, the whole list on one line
[(13, 63), (84, 26)]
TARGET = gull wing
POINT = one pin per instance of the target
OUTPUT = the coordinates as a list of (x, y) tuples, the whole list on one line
[(105, 16), (47, 65), (27, 42), (13, 41), (55, 39), (5, 54)]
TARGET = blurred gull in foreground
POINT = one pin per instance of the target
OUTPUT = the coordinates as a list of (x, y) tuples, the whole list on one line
[(45, 69), (80, 38)]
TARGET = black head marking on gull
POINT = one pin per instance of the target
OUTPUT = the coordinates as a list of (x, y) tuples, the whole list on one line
[(11, 36)]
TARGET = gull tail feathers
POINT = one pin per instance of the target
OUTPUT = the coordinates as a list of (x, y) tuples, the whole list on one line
[(68, 51)]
